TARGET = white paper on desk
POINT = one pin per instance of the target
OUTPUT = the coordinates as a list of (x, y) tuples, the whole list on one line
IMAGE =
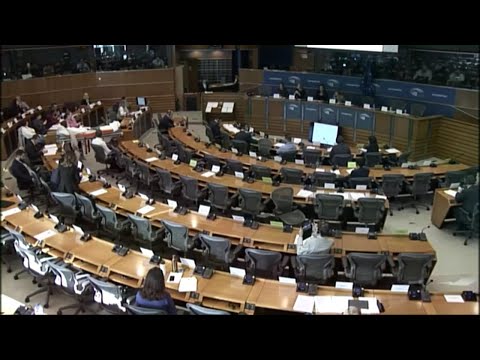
[(78, 229), (350, 170), (325, 305), (234, 150), (239, 174), (276, 96), (98, 192), (208, 174), (143, 196), (145, 209), (10, 212), (344, 285), (147, 252), (395, 151), (299, 161), (372, 305), (310, 98), (319, 170), (366, 106), (329, 149), (363, 150), (331, 101), (44, 235), (151, 159), (174, 277), (304, 304), (277, 158), (121, 188), (361, 230), (361, 187), (400, 288), (287, 280), (188, 284), (174, 157), (297, 140), (262, 134), (172, 203), (54, 218), (348, 103), (252, 154), (279, 144), (188, 262), (291, 97), (215, 168), (336, 172), (84, 178), (356, 196), (380, 197), (204, 210), (453, 298), (384, 108), (304, 193), (238, 218), (329, 186), (450, 192), (237, 272), (399, 111), (310, 147), (56, 162)]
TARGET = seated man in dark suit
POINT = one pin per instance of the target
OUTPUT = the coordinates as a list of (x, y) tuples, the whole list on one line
[(19, 170), (340, 149), (282, 91), (38, 125), (361, 170), (244, 135), (86, 100), (166, 122), (372, 145), (468, 198), (34, 151)]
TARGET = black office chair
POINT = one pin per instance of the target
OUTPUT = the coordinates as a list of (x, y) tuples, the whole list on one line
[(312, 157), (88, 211), (111, 297), (413, 268), (398, 105), (211, 160), (144, 234), (354, 182), (342, 159), (420, 187), (67, 207), (364, 269), (452, 177), (372, 159), (289, 156), (265, 263), (190, 190), (472, 223), (217, 251), (168, 187), (317, 269), (329, 207), (101, 158), (291, 176), (264, 147), (370, 211), (209, 134), (260, 171), (110, 225), (233, 166), (134, 309), (320, 178), (284, 207), (392, 186), (184, 155), (176, 237), (417, 109), (145, 177), (200, 310), (241, 146), (250, 202), (167, 146), (218, 197)]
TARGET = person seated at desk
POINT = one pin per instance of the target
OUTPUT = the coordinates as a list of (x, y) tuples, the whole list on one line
[(68, 173), (340, 149), (456, 78), (19, 170), (321, 94), (100, 142), (83, 67), (339, 97), (215, 126), (372, 144), (153, 294), (288, 147), (158, 62), (315, 244), (18, 106), (123, 109), (86, 100), (282, 91), (244, 135), (300, 93), (166, 122), (361, 170), (33, 148), (71, 132), (39, 125), (52, 116), (468, 198), (71, 120), (423, 75)]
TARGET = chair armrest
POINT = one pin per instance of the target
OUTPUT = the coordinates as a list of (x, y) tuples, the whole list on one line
[(391, 262), (346, 266), (237, 249)]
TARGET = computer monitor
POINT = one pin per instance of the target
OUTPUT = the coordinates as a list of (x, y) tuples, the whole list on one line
[(141, 101), (307, 231), (324, 134)]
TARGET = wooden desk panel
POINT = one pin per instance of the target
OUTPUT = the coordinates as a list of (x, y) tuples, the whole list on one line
[(399, 304), (442, 307), (442, 203)]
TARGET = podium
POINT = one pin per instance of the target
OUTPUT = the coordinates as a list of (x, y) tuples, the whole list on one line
[(222, 110)]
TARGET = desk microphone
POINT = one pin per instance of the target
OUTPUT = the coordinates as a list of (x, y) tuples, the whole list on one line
[(423, 236)]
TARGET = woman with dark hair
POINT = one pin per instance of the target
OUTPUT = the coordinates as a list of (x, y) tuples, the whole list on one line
[(372, 144), (153, 294), (322, 94), (68, 173), (283, 91)]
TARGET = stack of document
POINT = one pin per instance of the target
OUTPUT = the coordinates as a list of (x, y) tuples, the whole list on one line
[(451, 192), (304, 193)]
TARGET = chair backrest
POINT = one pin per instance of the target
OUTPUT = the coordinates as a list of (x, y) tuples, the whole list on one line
[(234, 166), (342, 159), (263, 262), (365, 268), (200, 310), (67, 203), (250, 201), (209, 133), (108, 216), (414, 268), (72, 281), (264, 147), (189, 187), (218, 195), (417, 109), (403, 158), (320, 178), (139, 310), (141, 228), (289, 156), (176, 236), (315, 268), (164, 180), (370, 210), (452, 177), (475, 218), (216, 249), (311, 157), (353, 182), (211, 160), (421, 183), (165, 142), (110, 296), (373, 158), (261, 171), (392, 184), (329, 207), (398, 104), (100, 156), (87, 207), (183, 154), (144, 172), (283, 199), (34, 260), (291, 176), (240, 145)]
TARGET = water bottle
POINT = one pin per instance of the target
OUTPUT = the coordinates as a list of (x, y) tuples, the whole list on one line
[(174, 263)]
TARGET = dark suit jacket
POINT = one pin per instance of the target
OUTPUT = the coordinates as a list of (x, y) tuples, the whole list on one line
[(20, 172), (468, 198), (283, 93), (69, 179), (339, 149), (215, 130), (300, 94), (243, 135), (165, 123), (37, 124), (33, 153), (323, 97), (372, 148), (84, 102), (360, 172)]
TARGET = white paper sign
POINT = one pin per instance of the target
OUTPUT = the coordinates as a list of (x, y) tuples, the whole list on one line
[(361, 187), (331, 101), (299, 161), (174, 157), (287, 280), (361, 230), (276, 96), (252, 154), (329, 186), (400, 288), (398, 111), (98, 192), (143, 196), (188, 262), (344, 285), (348, 103), (78, 229), (277, 158), (151, 159), (291, 97), (188, 284), (44, 235), (309, 98), (208, 174), (238, 218), (454, 298), (145, 209), (215, 169), (147, 252), (239, 174), (204, 210), (172, 203), (237, 271), (366, 106), (384, 108)]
